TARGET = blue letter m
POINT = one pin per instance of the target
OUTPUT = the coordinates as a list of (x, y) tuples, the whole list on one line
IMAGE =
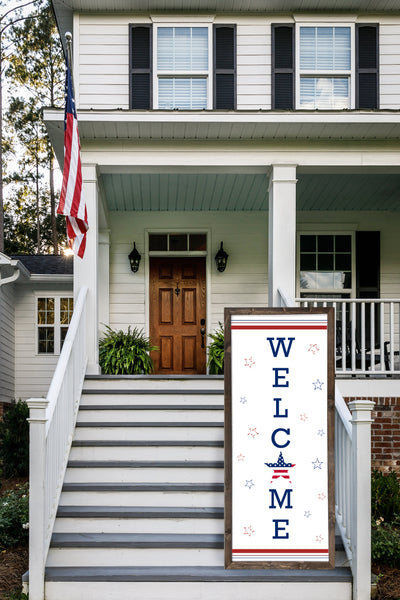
[(286, 496)]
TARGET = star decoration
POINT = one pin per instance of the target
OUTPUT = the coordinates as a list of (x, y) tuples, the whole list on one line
[(321, 432), (319, 538), (313, 348), (248, 530), (307, 514), (249, 483), (243, 399), (303, 417), (249, 362), (321, 496), (318, 384), (317, 464), (253, 432), (240, 457)]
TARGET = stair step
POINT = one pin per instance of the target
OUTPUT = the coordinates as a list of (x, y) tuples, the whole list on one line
[(149, 431), (143, 487), (145, 464), (132, 414), (154, 382), (153, 392), (149, 424), (144, 443), (133, 540), (141, 512), (172, 407)]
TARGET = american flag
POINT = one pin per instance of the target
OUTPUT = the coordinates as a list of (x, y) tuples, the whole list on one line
[(72, 204)]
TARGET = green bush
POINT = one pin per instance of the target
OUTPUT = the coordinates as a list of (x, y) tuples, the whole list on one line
[(14, 441), (216, 351), (385, 543), (385, 496), (14, 517), (123, 353)]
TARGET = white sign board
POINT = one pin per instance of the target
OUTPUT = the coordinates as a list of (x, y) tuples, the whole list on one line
[(279, 406)]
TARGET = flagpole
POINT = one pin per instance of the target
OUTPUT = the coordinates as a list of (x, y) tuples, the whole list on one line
[(68, 39)]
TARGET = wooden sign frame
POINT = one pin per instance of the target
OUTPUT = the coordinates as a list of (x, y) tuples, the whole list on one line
[(259, 343)]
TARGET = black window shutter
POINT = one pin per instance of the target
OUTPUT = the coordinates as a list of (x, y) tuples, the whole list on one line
[(140, 63), (283, 67), (367, 66), (225, 67)]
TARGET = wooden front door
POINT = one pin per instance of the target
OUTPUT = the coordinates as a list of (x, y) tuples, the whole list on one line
[(177, 314)]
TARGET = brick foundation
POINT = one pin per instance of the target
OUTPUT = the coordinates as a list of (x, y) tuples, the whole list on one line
[(385, 433)]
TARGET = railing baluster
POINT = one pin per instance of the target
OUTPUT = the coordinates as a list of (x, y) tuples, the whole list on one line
[(344, 340), (362, 316), (382, 336), (353, 336), (372, 332), (391, 336)]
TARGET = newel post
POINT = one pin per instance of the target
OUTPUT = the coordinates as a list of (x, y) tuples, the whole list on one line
[(361, 502), (37, 470)]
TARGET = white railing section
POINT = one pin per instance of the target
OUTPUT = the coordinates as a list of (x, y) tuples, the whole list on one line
[(367, 333), (353, 488), (52, 422), (285, 300)]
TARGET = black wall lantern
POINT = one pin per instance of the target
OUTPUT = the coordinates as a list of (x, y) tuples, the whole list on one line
[(221, 258), (134, 259)]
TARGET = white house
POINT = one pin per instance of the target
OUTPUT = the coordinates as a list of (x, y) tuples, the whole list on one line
[(273, 128)]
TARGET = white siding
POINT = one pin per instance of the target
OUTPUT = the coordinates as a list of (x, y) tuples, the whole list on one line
[(7, 358), (389, 57), (33, 371)]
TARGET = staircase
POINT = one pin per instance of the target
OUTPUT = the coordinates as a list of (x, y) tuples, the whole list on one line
[(141, 511)]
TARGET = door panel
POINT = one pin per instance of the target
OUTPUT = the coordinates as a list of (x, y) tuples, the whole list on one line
[(177, 305)]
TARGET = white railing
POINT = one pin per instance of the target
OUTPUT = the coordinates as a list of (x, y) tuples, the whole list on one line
[(52, 422), (367, 334), (284, 299), (353, 488)]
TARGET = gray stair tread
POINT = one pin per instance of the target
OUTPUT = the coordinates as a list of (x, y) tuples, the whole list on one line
[(153, 377), (146, 443), (142, 464), (166, 407), (149, 424), (141, 512), (152, 392), (136, 540), (341, 574), (142, 487)]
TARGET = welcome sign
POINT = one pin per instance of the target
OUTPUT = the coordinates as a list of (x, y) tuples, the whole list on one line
[(279, 474)]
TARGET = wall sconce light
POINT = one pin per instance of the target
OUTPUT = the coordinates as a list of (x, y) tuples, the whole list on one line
[(134, 259), (221, 258)]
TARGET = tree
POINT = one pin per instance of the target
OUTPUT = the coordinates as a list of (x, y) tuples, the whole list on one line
[(36, 67)]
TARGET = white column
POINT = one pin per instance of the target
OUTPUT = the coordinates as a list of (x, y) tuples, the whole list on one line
[(104, 279), (86, 269), (282, 234), (37, 499), (361, 500)]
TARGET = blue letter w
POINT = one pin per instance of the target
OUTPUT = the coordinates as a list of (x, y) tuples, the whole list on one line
[(281, 342)]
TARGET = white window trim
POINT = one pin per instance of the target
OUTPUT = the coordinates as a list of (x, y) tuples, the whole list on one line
[(351, 73), (328, 291), (201, 74), (57, 325)]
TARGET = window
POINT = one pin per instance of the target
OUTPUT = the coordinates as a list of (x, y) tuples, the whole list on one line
[(177, 242), (325, 66), (53, 318), (182, 67), (326, 266)]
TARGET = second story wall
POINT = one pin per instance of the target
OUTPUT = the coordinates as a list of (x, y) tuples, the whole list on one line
[(101, 46)]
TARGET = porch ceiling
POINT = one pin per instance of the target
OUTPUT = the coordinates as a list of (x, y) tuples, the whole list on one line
[(238, 192)]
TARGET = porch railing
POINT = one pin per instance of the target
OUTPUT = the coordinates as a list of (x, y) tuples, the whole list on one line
[(52, 422), (367, 333)]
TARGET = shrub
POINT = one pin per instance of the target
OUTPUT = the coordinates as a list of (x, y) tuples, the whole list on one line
[(385, 496), (385, 543), (123, 353), (14, 517), (216, 351), (14, 441)]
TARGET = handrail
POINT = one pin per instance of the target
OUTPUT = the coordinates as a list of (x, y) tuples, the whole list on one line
[(286, 301)]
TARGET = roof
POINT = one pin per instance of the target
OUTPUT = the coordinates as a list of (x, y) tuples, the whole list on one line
[(49, 264)]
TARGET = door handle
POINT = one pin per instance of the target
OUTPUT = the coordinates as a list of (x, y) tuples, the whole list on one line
[(203, 333)]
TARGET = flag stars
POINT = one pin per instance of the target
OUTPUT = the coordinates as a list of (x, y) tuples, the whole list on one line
[(318, 384), (249, 483), (317, 464), (252, 432)]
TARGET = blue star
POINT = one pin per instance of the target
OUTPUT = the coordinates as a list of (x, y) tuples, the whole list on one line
[(307, 514), (317, 464), (318, 384), (321, 432), (243, 399), (249, 483)]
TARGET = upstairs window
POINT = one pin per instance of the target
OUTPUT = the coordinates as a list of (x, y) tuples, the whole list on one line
[(182, 67)]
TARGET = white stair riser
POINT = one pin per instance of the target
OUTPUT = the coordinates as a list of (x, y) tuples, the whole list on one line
[(144, 475), (198, 590), (147, 399), (93, 525), (138, 557), (152, 383), (196, 499), (146, 453), (150, 433), (140, 416)]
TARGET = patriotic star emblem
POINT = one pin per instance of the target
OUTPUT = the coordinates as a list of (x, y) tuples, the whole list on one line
[(280, 468), (318, 384), (317, 464), (249, 483)]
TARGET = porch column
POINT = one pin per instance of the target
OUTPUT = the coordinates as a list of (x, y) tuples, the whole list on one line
[(104, 279), (282, 234), (86, 269)]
